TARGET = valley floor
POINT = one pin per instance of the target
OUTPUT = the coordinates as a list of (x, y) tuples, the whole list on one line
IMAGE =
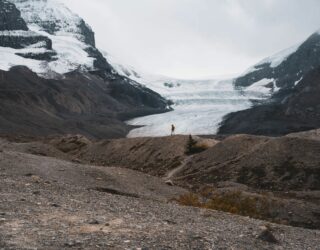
[(73, 193), (47, 203)]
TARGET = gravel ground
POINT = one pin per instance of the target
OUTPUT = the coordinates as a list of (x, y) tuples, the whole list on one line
[(62, 211)]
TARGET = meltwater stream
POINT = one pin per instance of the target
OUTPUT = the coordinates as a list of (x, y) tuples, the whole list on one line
[(199, 107)]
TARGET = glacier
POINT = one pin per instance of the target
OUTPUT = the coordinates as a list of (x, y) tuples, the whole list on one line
[(199, 106)]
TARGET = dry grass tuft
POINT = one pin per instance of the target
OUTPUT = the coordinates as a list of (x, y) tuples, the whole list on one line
[(232, 202)]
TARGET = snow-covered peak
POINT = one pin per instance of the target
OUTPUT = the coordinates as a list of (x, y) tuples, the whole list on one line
[(273, 61), (53, 17), (279, 57), (69, 38)]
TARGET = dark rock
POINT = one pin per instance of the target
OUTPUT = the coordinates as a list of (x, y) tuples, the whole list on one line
[(20, 42), (87, 33), (72, 243), (266, 235), (11, 20), (94, 222), (46, 56), (103, 68), (10, 17), (116, 192), (169, 182), (171, 222)]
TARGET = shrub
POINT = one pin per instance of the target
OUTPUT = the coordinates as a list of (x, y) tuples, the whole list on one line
[(193, 147), (233, 202), (189, 199)]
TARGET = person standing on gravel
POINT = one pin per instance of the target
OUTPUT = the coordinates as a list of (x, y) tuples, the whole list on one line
[(173, 128)]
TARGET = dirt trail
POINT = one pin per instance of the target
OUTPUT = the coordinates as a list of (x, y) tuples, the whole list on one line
[(178, 169)]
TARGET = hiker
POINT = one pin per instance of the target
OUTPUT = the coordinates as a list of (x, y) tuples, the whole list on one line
[(173, 128)]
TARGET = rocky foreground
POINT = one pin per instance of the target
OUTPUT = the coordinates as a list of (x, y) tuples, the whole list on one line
[(50, 198)]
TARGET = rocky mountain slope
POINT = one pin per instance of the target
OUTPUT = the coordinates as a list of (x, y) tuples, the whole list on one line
[(69, 86), (295, 105), (287, 67), (49, 203), (297, 109), (79, 103)]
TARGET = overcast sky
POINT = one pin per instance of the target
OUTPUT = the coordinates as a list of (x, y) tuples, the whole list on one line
[(197, 38)]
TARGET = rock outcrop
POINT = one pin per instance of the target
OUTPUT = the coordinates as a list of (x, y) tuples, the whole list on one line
[(10, 17)]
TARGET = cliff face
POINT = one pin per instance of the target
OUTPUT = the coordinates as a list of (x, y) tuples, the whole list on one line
[(10, 17), (14, 32), (68, 32)]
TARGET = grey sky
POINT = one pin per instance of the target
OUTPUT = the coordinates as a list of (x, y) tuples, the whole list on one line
[(197, 38)]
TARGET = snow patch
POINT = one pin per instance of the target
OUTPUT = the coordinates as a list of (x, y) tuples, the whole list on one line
[(19, 33), (297, 82), (9, 59), (51, 12), (280, 57), (70, 51), (261, 87)]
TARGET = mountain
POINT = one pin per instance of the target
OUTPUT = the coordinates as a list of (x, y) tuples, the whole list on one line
[(286, 68), (294, 106), (71, 40), (68, 84)]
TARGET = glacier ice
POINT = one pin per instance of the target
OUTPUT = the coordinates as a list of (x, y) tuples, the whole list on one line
[(199, 107)]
